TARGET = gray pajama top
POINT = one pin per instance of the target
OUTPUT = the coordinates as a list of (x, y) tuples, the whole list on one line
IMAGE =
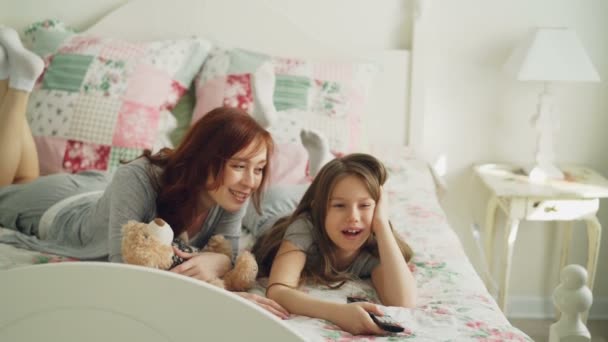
[(81, 215)]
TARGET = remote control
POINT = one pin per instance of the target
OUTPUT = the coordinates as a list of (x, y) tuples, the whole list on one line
[(385, 322), (184, 247)]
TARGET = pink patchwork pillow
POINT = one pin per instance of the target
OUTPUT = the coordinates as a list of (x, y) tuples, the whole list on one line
[(329, 97), (102, 100), (289, 165)]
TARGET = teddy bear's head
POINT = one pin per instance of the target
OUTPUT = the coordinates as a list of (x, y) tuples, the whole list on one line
[(148, 244), (151, 245)]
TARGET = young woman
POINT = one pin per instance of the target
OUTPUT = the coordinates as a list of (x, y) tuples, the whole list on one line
[(200, 188), (339, 231)]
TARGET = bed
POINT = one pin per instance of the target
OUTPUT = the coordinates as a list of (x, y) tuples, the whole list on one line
[(70, 299)]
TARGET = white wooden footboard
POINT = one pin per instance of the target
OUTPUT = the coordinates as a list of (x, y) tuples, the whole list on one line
[(89, 301)]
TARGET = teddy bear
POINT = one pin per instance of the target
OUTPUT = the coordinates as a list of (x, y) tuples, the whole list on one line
[(151, 245)]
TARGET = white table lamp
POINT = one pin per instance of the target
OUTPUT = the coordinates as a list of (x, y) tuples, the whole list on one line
[(549, 55)]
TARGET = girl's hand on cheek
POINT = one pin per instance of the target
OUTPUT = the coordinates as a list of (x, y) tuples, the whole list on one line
[(381, 211)]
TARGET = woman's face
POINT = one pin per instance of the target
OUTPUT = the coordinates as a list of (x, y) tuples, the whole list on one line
[(241, 178), (349, 215)]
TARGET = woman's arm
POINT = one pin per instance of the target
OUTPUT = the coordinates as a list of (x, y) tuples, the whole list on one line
[(209, 265), (284, 278), (130, 196), (392, 279), (229, 226), (204, 266)]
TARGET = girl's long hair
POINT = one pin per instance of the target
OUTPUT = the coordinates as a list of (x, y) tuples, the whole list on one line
[(203, 153), (313, 206)]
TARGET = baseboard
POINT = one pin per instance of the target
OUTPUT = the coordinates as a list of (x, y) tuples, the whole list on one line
[(542, 308)]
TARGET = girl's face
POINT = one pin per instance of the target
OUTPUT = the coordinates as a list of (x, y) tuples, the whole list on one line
[(349, 216), (241, 178)]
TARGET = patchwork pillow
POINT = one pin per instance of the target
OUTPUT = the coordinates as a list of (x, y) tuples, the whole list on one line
[(102, 100), (328, 97), (183, 114), (289, 164)]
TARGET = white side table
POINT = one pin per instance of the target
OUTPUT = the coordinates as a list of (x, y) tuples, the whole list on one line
[(574, 198)]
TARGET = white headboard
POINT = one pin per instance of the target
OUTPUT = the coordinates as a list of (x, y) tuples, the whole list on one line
[(327, 29)]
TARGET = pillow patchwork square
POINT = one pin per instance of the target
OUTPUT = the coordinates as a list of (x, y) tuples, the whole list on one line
[(329, 97), (182, 113), (102, 100)]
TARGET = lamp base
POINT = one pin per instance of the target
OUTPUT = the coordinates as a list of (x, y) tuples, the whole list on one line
[(546, 125), (543, 173)]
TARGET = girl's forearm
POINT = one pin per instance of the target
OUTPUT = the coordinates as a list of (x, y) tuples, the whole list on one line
[(299, 303), (399, 283)]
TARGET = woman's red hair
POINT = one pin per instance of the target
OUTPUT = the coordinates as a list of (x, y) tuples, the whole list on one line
[(203, 152)]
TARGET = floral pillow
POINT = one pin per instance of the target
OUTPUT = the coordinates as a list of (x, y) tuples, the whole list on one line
[(325, 96), (102, 100)]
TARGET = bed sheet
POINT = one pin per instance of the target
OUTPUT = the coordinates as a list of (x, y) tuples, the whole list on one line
[(453, 304)]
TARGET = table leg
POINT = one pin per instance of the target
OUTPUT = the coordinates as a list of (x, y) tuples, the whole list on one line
[(509, 241), (490, 237), (594, 236), (566, 240)]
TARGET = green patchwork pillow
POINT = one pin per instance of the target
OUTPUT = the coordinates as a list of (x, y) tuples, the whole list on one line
[(102, 100), (328, 96), (183, 114)]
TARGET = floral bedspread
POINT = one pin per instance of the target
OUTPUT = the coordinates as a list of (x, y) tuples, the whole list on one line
[(453, 304)]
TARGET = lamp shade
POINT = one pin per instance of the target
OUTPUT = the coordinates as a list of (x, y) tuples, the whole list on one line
[(551, 54)]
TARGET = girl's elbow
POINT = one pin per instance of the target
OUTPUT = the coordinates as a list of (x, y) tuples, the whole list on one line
[(272, 295), (408, 301), (274, 292), (412, 298)]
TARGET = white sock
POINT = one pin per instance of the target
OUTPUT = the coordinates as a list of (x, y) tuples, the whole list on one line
[(264, 111), (24, 65), (318, 150), (3, 64)]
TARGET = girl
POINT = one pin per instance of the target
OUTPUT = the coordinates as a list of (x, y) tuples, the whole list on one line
[(200, 188), (339, 231)]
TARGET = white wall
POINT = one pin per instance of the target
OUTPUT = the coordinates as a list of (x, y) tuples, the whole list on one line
[(475, 114), (78, 14)]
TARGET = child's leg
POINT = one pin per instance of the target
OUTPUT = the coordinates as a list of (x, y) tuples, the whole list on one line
[(18, 157), (29, 167), (318, 150)]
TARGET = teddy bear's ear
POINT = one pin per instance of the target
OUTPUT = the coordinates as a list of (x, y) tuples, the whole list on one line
[(161, 230), (159, 222)]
